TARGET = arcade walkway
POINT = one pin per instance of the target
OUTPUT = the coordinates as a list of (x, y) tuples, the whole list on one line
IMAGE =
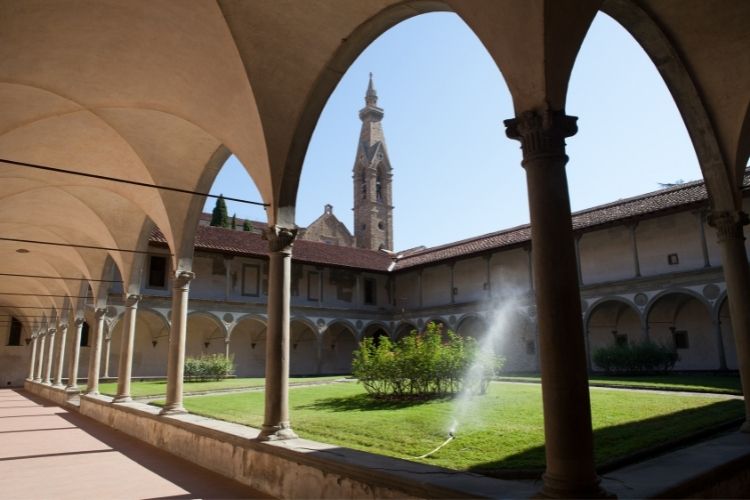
[(48, 452)]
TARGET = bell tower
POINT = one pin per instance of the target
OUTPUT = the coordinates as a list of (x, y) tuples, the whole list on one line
[(373, 209)]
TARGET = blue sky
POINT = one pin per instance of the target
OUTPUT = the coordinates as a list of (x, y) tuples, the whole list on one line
[(455, 173)]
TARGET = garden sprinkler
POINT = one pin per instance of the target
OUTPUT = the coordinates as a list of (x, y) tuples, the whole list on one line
[(451, 437)]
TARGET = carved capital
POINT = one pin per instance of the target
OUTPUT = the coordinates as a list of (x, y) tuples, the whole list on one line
[(182, 279), (100, 313), (63, 328), (131, 301), (728, 225), (79, 322), (280, 239), (542, 134), (51, 331)]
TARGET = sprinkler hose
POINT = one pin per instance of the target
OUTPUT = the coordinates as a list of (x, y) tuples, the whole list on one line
[(451, 436)]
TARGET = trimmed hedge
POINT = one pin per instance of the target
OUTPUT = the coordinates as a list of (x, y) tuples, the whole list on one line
[(422, 365), (208, 367), (640, 357)]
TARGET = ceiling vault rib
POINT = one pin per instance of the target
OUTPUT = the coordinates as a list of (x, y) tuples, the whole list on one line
[(57, 278), (74, 245)]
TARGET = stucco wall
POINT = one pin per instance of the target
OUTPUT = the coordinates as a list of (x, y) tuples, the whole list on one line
[(606, 255), (436, 282), (469, 278), (674, 234), (510, 272)]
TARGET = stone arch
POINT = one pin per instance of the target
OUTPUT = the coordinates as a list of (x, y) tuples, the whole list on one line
[(472, 325), (403, 329), (679, 313), (150, 345), (247, 344), (206, 334), (375, 330), (303, 348), (339, 341), (511, 334), (612, 319)]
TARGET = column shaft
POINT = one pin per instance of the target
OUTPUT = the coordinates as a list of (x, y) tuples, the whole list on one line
[(95, 354), (276, 418), (60, 355), (38, 377), (74, 357), (50, 358), (177, 337), (105, 355), (737, 275), (32, 361), (565, 394), (125, 366)]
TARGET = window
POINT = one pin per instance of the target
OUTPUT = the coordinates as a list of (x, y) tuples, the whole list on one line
[(14, 338), (250, 280), (370, 295), (379, 187), (85, 334), (680, 338), (157, 272), (313, 285), (673, 259), (621, 339)]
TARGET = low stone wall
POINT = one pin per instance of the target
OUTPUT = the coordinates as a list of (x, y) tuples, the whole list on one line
[(55, 394), (295, 468)]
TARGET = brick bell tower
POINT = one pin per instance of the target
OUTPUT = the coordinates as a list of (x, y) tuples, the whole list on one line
[(373, 209)]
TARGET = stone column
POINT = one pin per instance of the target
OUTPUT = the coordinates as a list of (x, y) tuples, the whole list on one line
[(125, 366), (61, 355), (276, 419), (50, 357), (716, 325), (32, 361), (177, 337), (95, 354), (226, 347), (737, 276), (75, 353), (105, 354), (577, 243), (38, 377), (565, 394), (704, 244)]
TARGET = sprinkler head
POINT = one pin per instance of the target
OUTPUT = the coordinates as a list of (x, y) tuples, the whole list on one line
[(451, 434)]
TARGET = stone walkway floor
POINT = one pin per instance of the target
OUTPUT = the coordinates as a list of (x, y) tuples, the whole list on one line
[(48, 452)]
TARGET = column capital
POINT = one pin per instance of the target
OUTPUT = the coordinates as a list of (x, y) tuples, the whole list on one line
[(52, 331), (79, 322), (182, 279), (728, 225), (131, 301), (542, 134), (63, 327), (280, 239), (100, 312)]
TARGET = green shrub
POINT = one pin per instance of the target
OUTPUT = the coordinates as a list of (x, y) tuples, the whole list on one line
[(423, 365), (640, 357), (208, 367)]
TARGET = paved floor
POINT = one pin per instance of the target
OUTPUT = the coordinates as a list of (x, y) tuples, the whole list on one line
[(48, 452)]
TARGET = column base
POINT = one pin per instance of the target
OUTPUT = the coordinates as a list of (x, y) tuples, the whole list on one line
[(122, 399), (745, 427), (47, 382), (558, 488), (173, 410), (38, 380), (91, 393), (276, 433), (73, 388), (59, 386)]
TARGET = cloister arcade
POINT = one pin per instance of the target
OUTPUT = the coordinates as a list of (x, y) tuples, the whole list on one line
[(160, 95)]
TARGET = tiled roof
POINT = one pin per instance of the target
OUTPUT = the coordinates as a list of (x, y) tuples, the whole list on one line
[(245, 243)]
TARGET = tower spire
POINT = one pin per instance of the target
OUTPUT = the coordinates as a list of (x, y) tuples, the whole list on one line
[(371, 97)]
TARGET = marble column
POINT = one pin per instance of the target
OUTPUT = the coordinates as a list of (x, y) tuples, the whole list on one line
[(73, 358), (63, 334), (737, 276), (276, 418), (32, 361), (50, 357), (40, 363), (95, 353), (177, 338), (105, 354), (569, 446), (125, 367)]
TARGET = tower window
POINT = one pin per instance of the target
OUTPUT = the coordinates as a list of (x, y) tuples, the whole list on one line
[(379, 187), (363, 183), (157, 271), (15, 332), (380, 226)]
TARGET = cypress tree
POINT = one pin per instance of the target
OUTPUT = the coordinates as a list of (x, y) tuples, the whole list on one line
[(219, 215), (234, 222), (246, 226)]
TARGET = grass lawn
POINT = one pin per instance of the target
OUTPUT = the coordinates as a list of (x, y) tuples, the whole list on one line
[(159, 387), (499, 431), (720, 384)]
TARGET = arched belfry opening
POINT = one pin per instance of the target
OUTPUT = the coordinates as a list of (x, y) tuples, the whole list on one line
[(373, 202)]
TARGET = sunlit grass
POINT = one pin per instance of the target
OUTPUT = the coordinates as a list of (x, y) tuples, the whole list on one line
[(719, 384), (159, 387), (501, 430)]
